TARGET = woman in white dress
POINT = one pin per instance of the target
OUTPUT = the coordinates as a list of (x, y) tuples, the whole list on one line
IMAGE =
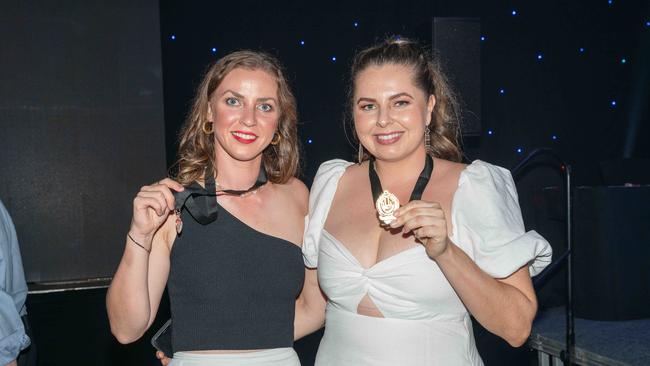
[(400, 292)]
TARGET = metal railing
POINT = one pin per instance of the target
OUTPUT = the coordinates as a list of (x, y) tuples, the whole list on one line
[(564, 258)]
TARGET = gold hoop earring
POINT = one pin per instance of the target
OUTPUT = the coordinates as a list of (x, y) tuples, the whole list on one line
[(427, 140), (205, 129), (276, 139)]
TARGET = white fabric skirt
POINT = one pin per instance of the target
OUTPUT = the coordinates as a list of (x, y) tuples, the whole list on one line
[(355, 340), (271, 357)]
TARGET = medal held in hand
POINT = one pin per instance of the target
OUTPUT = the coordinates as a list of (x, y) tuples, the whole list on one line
[(387, 203), (179, 221)]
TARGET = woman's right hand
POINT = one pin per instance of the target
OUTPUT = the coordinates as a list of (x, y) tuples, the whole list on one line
[(151, 207)]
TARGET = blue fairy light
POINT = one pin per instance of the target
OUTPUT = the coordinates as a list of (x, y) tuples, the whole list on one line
[(173, 37), (514, 12)]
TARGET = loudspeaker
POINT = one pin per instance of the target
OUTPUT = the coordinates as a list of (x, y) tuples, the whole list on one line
[(457, 42), (618, 172), (611, 253)]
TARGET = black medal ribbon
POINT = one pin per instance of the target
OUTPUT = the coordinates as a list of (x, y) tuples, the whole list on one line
[(201, 202), (420, 185)]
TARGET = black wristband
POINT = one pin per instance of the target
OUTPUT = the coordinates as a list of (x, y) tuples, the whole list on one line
[(138, 244)]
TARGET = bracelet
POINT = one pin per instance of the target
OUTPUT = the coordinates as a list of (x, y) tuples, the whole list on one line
[(138, 244)]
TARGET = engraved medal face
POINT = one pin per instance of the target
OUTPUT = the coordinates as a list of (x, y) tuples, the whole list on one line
[(386, 205), (179, 222)]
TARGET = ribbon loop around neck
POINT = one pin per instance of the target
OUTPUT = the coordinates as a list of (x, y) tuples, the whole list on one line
[(418, 189), (201, 202)]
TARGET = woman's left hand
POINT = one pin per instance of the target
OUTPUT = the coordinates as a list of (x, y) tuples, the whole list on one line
[(427, 222), (164, 360)]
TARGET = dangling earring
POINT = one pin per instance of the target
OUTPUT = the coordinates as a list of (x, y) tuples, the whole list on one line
[(427, 140), (360, 154), (205, 129), (276, 139)]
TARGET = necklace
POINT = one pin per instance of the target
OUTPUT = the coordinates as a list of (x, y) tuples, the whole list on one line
[(387, 203), (240, 193)]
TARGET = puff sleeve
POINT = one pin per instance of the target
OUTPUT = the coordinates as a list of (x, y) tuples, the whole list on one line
[(320, 199), (488, 225)]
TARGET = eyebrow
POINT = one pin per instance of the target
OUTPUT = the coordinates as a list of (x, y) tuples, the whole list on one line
[(266, 100), (398, 95), (233, 93), (365, 100), (401, 95), (242, 97)]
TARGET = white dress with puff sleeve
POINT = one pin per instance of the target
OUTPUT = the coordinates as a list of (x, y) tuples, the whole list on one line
[(424, 323)]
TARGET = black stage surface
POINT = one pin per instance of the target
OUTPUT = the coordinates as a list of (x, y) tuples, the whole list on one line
[(597, 342)]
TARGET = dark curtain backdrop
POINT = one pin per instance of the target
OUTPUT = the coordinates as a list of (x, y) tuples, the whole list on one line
[(81, 128)]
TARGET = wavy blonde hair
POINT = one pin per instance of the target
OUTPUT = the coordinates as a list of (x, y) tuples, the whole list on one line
[(196, 148), (427, 75)]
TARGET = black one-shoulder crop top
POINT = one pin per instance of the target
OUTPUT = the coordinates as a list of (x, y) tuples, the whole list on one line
[(232, 287)]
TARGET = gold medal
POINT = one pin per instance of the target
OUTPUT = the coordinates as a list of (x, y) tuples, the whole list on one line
[(179, 222), (386, 205)]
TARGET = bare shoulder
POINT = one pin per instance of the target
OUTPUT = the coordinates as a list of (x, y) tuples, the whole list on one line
[(446, 175), (294, 191), (357, 168), (448, 171), (291, 201), (353, 173)]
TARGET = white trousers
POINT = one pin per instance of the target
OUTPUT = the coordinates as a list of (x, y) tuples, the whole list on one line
[(271, 357)]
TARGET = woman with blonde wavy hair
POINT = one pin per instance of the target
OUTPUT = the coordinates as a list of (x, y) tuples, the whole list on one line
[(214, 236), (399, 281)]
